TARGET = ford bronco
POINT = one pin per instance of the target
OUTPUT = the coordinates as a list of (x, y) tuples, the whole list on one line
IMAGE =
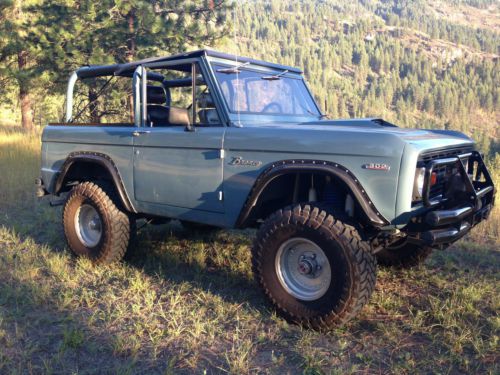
[(214, 139)]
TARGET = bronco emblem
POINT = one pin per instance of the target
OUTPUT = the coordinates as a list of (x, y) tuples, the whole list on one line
[(239, 161)]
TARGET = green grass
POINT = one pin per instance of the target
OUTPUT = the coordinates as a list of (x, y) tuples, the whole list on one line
[(186, 303)]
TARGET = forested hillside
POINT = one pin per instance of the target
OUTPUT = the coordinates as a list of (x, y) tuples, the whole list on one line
[(415, 63)]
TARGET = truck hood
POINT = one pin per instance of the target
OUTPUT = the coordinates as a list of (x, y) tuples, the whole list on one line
[(374, 136)]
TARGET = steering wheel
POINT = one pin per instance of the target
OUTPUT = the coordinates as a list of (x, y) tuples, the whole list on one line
[(268, 107), (203, 92)]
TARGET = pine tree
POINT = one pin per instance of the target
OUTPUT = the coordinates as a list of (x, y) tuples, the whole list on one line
[(86, 32), (17, 54), (83, 32)]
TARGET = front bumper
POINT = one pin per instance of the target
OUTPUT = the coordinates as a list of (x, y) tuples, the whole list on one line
[(468, 200)]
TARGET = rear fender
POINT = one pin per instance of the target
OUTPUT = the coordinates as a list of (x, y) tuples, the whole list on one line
[(102, 160)]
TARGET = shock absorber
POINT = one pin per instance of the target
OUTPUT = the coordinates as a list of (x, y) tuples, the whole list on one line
[(313, 196)]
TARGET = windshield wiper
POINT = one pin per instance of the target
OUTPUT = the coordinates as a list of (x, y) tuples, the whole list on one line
[(233, 69), (321, 116), (274, 77)]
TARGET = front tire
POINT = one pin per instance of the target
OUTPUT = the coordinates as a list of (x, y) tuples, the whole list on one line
[(94, 226), (315, 269)]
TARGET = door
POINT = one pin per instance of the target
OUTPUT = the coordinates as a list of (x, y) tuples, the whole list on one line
[(175, 166), (179, 168)]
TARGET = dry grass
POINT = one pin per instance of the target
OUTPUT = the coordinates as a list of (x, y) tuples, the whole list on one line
[(19, 164), (186, 303)]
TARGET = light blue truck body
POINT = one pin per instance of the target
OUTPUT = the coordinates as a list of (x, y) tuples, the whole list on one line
[(191, 175), (178, 174)]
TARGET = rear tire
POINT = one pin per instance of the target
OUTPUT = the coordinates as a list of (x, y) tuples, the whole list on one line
[(94, 226), (293, 253), (404, 255)]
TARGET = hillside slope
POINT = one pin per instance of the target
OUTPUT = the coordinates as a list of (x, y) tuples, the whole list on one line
[(417, 63)]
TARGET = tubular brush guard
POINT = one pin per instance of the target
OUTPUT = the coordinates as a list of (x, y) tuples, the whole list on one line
[(449, 218)]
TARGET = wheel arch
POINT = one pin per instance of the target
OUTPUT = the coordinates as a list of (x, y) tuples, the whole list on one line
[(290, 167), (92, 166)]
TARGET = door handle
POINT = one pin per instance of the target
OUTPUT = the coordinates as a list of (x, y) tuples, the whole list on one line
[(137, 133)]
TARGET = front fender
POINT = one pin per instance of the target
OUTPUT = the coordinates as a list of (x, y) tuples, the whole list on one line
[(291, 166)]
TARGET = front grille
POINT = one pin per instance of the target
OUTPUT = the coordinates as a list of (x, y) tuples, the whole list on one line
[(443, 154), (443, 172)]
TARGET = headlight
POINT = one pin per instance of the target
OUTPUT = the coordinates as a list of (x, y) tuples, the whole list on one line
[(418, 184)]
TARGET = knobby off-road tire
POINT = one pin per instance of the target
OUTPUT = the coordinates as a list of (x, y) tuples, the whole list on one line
[(341, 250), (405, 255), (94, 226), (110, 191)]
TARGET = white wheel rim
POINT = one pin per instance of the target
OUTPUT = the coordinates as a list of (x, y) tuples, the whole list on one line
[(303, 269), (88, 225)]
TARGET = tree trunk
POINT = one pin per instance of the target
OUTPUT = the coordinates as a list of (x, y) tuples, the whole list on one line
[(131, 44), (24, 94), (93, 107), (130, 55)]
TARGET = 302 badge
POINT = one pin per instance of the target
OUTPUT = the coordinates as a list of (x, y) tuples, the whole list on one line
[(377, 167)]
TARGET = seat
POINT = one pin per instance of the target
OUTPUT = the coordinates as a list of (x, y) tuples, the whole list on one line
[(178, 116), (158, 107), (160, 113)]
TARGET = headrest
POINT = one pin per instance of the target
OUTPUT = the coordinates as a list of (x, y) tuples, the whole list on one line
[(206, 101), (156, 95)]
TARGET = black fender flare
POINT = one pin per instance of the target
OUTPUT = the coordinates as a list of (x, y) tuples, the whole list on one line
[(99, 159), (282, 167)]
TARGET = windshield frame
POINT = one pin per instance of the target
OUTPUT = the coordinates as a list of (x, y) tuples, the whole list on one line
[(248, 116)]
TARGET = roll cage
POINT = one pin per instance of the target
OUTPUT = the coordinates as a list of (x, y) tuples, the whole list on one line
[(197, 62), (141, 75)]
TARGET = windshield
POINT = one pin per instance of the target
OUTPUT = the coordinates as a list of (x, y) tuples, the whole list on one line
[(248, 91)]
